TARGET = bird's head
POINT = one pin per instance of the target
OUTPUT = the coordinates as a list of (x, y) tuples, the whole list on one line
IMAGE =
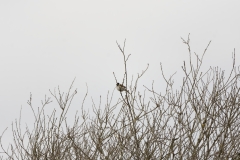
[(117, 84)]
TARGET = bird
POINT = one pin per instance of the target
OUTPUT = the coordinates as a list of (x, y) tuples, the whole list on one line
[(121, 87), (204, 123)]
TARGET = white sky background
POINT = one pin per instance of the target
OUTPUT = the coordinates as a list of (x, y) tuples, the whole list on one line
[(47, 43)]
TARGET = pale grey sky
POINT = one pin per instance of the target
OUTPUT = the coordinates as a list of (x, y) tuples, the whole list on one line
[(47, 43)]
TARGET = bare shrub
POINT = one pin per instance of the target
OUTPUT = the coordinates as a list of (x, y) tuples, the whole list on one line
[(198, 121)]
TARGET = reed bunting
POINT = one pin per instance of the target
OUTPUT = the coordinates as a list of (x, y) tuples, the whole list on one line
[(121, 87)]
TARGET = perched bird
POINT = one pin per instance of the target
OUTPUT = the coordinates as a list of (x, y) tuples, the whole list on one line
[(204, 123), (121, 87)]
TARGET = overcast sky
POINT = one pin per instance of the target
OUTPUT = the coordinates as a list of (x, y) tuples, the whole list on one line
[(48, 43)]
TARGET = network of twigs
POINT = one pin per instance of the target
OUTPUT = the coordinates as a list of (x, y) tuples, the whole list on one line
[(198, 121)]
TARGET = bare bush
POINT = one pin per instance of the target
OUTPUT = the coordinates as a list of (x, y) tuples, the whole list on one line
[(198, 121)]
